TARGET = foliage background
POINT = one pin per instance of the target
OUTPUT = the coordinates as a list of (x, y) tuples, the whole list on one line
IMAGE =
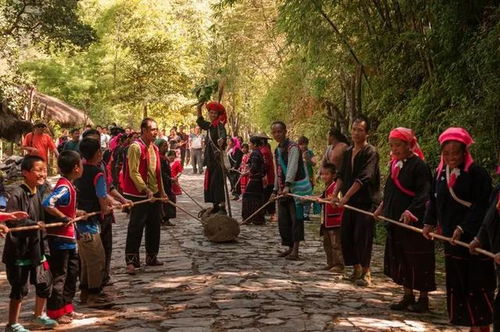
[(315, 64)]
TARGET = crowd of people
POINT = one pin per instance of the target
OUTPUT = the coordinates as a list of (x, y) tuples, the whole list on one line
[(100, 171)]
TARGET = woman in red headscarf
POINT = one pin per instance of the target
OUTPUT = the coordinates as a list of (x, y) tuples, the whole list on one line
[(214, 146), (409, 258), (458, 204)]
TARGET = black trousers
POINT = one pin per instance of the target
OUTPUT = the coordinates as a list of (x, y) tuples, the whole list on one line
[(290, 227), (64, 266), (496, 310), (183, 156), (107, 242), (357, 238), (143, 217)]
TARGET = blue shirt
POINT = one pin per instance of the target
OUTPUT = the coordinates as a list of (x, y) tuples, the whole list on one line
[(60, 196)]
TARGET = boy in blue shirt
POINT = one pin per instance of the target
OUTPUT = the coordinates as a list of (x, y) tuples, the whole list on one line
[(92, 197)]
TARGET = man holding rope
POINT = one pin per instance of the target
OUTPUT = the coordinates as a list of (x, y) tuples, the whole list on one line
[(142, 179), (290, 173), (359, 182)]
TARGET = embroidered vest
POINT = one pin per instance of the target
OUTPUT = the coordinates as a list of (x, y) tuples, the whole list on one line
[(332, 214)]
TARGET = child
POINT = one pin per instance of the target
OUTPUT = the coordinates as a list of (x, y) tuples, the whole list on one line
[(92, 197), (244, 167), (60, 205), (332, 218), (176, 168), (24, 254), (168, 210)]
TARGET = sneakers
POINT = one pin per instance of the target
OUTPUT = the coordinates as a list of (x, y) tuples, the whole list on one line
[(15, 328), (404, 303), (44, 322), (365, 280)]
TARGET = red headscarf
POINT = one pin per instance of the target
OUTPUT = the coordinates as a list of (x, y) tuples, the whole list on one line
[(460, 135), (407, 135), (216, 106)]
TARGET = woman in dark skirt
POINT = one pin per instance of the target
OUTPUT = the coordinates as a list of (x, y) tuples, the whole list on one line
[(254, 195), (214, 145), (409, 258), (168, 210), (458, 205), (235, 156)]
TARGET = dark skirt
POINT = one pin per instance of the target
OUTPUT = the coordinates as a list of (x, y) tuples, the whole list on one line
[(234, 181), (409, 259), (253, 199), (168, 210), (470, 285), (214, 185)]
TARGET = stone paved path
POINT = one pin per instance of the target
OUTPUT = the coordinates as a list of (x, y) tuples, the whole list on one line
[(240, 286)]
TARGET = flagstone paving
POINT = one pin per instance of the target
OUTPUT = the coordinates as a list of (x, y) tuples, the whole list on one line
[(241, 286)]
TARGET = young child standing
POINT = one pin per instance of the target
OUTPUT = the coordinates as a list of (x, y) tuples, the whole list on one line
[(176, 169), (92, 197), (60, 205), (331, 222), (24, 252)]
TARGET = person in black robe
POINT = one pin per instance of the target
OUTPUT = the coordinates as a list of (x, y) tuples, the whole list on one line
[(359, 182), (458, 204), (254, 195), (168, 210), (409, 258), (235, 156), (215, 145), (488, 237)]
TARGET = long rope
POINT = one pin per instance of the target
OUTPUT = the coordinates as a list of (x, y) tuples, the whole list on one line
[(80, 218), (246, 221), (187, 194), (412, 228), (183, 210)]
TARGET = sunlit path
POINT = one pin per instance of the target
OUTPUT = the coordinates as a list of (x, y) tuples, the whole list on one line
[(240, 286)]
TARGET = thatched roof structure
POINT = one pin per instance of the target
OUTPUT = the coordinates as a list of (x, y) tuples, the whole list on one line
[(51, 108), (11, 126)]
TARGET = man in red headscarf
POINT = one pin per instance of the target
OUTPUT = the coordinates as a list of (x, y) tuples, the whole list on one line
[(214, 146)]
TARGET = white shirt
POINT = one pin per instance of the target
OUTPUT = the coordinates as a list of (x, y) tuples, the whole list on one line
[(196, 141), (105, 138)]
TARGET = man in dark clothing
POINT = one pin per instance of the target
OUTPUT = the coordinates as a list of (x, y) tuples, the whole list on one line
[(183, 145), (290, 170), (215, 145), (359, 182)]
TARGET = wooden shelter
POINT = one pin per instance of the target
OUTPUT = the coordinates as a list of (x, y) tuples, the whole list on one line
[(54, 109)]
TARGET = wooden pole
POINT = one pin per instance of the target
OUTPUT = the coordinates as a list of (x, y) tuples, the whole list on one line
[(80, 218), (244, 222), (400, 224)]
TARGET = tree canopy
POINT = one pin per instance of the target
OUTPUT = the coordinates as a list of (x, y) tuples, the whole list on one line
[(315, 64)]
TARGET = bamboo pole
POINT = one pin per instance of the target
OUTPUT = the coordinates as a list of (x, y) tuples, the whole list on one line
[(400, 224), (80, 218), (244, 222)]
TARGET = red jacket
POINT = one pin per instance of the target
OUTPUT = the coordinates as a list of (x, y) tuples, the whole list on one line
[(269, 163), (128, 185), (332, 214)]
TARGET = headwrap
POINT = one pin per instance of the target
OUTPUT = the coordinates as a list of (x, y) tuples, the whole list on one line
[(236, 145), (460, 135), (216, 106), (407, 135), (159, 142)]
